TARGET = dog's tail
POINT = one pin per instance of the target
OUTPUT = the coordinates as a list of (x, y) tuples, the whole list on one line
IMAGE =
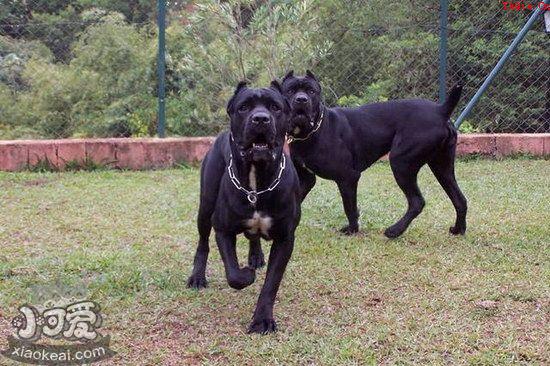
[(448, 107)]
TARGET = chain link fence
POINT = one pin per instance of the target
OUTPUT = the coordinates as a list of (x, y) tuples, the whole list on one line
[(78, 68), (519, 98)]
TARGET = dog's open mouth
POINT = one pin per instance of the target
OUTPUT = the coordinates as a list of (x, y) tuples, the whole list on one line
[(301, 113), (260, 146), (259, 143)]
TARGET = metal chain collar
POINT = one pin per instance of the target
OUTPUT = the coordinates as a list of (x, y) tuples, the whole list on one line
[(252, 196), (291, 138)]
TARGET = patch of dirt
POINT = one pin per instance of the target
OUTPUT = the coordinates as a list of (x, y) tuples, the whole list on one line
[(5, 330), (487, 304), (36, 182), (18, 271)]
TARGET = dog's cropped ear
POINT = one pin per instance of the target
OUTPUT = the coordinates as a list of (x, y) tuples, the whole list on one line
[(288, 75), (240, 86), (276, 85), (310, 75)]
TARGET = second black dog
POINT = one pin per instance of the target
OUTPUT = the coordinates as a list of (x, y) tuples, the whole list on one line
[(339, 143)]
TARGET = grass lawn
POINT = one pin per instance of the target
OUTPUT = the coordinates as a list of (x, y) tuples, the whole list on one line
[(127, 240)]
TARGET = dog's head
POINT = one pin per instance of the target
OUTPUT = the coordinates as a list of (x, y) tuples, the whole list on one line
[(259, 121), (304, 95)]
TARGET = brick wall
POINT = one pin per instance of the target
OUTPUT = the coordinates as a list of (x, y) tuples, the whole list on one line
[(154, 153)]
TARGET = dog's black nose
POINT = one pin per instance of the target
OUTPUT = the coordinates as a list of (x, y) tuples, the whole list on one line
[(300, 99), (260, 118)]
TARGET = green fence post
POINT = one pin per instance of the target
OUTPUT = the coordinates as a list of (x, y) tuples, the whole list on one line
[(161, 68), (515, 43), (444, 9)]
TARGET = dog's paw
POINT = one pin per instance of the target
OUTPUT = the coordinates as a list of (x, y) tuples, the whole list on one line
[(457, 230), (393, 232), (244, 278), (256, 260), (262, 326), (349, 230), (197, 282)]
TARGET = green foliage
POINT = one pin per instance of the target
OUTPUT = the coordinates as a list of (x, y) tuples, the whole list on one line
[(376, 92), (56, 30), (105, 90), (71, 68), (517, 100), (117, 58), (224, 43), (86, 165), (43, 166), (468, 127)]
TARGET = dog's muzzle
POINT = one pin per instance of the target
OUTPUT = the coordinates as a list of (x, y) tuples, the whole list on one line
[(259, 137)]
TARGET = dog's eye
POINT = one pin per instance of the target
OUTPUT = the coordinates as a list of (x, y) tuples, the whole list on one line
[(243, 108), (275, 108), (311, 91)]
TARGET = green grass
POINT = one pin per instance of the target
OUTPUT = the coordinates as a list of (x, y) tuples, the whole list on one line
[(127, 240)]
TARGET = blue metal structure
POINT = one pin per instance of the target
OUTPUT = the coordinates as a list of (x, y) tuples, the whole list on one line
[(444, 9), (507, 54), (161, 68)]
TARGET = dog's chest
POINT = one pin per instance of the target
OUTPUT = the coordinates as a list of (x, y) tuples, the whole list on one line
[(259, 223)]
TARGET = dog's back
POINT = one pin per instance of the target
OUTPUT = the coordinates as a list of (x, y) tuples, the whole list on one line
[(403, 113)]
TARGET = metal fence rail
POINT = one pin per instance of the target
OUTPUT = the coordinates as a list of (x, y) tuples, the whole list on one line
[(73, 68)]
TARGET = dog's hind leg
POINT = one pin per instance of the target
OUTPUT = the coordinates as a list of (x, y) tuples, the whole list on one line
[(348, 191), (443, 167), (405, 173), (211, 172), (197, 279), (237, 278)]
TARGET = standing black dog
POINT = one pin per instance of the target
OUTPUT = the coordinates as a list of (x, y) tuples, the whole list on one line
[(249, 185), (339, 143)]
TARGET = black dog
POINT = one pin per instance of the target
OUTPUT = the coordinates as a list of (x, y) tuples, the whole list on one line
[(249, 185), (339, 143)]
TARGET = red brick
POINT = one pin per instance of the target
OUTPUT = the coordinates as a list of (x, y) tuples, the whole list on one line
[(130, 154), (159, 153), (190, 150), (13, 157), (508, 144), (200, 147), (40, 151), (70, 151), (546, 143), (101, 151), (476, 144), (179, 149)]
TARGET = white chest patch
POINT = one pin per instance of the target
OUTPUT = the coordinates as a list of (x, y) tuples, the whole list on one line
[(259, 224), (252, 178)]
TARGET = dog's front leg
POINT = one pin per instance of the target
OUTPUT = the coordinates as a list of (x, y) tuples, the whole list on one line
[(307, 179), (237, 278), (262, 321), (348, 191), (255, 254)]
